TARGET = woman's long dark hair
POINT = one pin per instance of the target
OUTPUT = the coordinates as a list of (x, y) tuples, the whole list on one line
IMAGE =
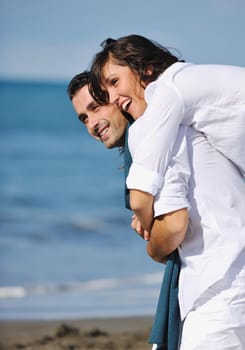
[(134, 51)]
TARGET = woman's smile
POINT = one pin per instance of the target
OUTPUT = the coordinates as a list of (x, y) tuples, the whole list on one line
[(124, 88)]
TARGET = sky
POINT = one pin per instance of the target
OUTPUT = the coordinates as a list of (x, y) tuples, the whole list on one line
[(55, 39)]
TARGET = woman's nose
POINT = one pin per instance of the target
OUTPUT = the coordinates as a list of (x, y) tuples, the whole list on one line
[(112, 96)]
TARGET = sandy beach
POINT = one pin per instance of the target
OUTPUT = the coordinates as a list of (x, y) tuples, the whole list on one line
[(109, 333)]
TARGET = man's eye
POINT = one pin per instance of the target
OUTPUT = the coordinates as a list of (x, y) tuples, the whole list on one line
[(95, 107), (83, 118)]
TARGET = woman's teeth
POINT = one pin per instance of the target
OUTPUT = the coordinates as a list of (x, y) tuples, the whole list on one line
[(125, 105)]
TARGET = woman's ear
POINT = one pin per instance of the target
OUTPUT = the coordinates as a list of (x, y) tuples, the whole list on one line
[(148, 70)]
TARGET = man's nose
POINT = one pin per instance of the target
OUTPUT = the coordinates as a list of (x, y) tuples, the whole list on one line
[(92, 122)]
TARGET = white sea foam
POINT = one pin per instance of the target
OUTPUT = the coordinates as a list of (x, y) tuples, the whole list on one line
[(7, 292), (12, 292)]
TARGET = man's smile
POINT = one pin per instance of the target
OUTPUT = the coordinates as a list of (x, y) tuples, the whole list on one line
[(102, 129)]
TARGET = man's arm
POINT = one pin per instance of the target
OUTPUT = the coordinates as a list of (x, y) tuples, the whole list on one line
[(167, 233)]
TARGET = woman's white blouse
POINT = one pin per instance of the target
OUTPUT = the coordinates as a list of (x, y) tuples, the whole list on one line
[(210, 98)]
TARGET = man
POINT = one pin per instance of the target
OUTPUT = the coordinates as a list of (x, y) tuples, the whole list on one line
[(105, 123)]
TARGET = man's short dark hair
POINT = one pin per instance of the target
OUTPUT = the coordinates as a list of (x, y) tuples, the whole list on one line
[(78, 82)]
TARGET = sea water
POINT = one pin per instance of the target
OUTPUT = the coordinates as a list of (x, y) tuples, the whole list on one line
[(66, 246)]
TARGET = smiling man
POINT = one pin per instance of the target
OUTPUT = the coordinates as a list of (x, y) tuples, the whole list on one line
[(205, 240), (105, 123)]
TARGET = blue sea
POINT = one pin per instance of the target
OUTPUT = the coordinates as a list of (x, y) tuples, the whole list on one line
[(66, 246)]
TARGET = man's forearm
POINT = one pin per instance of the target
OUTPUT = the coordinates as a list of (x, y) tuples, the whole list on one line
[(167, 233)]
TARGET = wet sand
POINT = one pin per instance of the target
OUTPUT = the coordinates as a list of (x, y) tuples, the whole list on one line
[(108, 333)]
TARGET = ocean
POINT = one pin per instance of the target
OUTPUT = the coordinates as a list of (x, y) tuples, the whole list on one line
[(66, 246)]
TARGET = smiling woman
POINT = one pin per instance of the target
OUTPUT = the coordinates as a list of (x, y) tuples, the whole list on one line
[(124, 88), (204, 123), (137, 72), (136, 61)]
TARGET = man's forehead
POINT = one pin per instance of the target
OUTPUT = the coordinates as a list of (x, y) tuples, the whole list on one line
[(84, 98)]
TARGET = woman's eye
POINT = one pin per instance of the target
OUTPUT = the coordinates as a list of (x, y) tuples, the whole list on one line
[(114, 81)]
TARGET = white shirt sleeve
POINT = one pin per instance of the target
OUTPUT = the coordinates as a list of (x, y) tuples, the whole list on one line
[(158, 130), (174, 192)]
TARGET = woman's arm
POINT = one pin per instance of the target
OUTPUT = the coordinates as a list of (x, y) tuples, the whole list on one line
[(142, 205), (152, 137), (169, 206)]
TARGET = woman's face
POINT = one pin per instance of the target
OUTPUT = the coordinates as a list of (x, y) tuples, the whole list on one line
[(124, 88)]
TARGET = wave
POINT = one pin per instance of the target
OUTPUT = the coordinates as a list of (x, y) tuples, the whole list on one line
[(17, 292)]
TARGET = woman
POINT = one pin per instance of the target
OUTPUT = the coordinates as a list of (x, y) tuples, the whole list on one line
[(146, 80), (211, 98)]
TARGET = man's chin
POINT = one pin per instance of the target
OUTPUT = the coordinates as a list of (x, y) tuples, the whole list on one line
[(108, 145)]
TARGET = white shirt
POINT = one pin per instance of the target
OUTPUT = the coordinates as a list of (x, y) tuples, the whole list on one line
[(200, 178), (210, 98)]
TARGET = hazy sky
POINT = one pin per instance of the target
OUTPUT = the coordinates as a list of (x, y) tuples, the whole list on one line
[(55, 39)]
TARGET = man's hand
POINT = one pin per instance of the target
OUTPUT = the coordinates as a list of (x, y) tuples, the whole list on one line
[(136, 225)]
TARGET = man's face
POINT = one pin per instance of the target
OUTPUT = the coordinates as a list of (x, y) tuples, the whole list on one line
[(105, 123)]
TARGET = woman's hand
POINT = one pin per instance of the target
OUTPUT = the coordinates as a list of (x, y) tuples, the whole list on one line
[(136, 226)]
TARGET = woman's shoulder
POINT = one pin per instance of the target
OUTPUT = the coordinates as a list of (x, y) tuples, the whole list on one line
[(174, 69), (165, 80)]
